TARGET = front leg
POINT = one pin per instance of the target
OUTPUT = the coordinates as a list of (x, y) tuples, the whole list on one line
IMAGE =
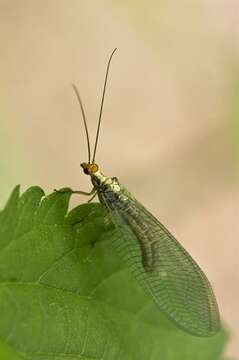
[(94, 195), (92, 192)]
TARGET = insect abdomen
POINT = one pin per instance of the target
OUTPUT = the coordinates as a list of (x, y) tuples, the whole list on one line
[(148, 247), (132, 218)]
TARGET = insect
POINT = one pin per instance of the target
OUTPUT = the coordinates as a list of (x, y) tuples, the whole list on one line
[(164, 269)]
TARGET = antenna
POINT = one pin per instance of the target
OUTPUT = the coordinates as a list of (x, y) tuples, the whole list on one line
[(84, 119), (102, 104)]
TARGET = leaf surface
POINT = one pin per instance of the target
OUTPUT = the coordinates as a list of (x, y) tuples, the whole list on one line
[(65, 294)]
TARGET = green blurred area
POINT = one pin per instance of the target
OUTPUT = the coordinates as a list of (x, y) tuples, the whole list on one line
[(8, 353), (8, 164), (232, 111)]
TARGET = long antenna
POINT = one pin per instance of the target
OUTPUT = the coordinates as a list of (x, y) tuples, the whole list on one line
[(84, 119), (102, 104)]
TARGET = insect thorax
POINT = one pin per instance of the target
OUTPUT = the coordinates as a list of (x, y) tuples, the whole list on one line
[(108, 188), (104, 183)]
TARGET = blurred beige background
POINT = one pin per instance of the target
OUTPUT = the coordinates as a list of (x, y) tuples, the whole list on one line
[(170, 128)]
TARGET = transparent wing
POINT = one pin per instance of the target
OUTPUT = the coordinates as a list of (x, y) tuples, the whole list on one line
[(165, 270)]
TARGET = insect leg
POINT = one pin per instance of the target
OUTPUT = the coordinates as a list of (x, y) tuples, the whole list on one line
[(93, 191), (94, 195)]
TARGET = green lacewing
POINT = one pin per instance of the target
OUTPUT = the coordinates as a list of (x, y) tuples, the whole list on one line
[(164, 269)]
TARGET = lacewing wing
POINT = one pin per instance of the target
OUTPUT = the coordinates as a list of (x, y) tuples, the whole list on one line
[(164, 269)]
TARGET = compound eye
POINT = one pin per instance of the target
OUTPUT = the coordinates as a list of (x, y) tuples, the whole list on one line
[(86, 171)]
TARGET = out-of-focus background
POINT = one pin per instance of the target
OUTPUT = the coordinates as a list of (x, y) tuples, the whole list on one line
[(170, 128)]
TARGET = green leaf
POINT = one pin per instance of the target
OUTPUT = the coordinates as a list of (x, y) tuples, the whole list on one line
[(65, 294)]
